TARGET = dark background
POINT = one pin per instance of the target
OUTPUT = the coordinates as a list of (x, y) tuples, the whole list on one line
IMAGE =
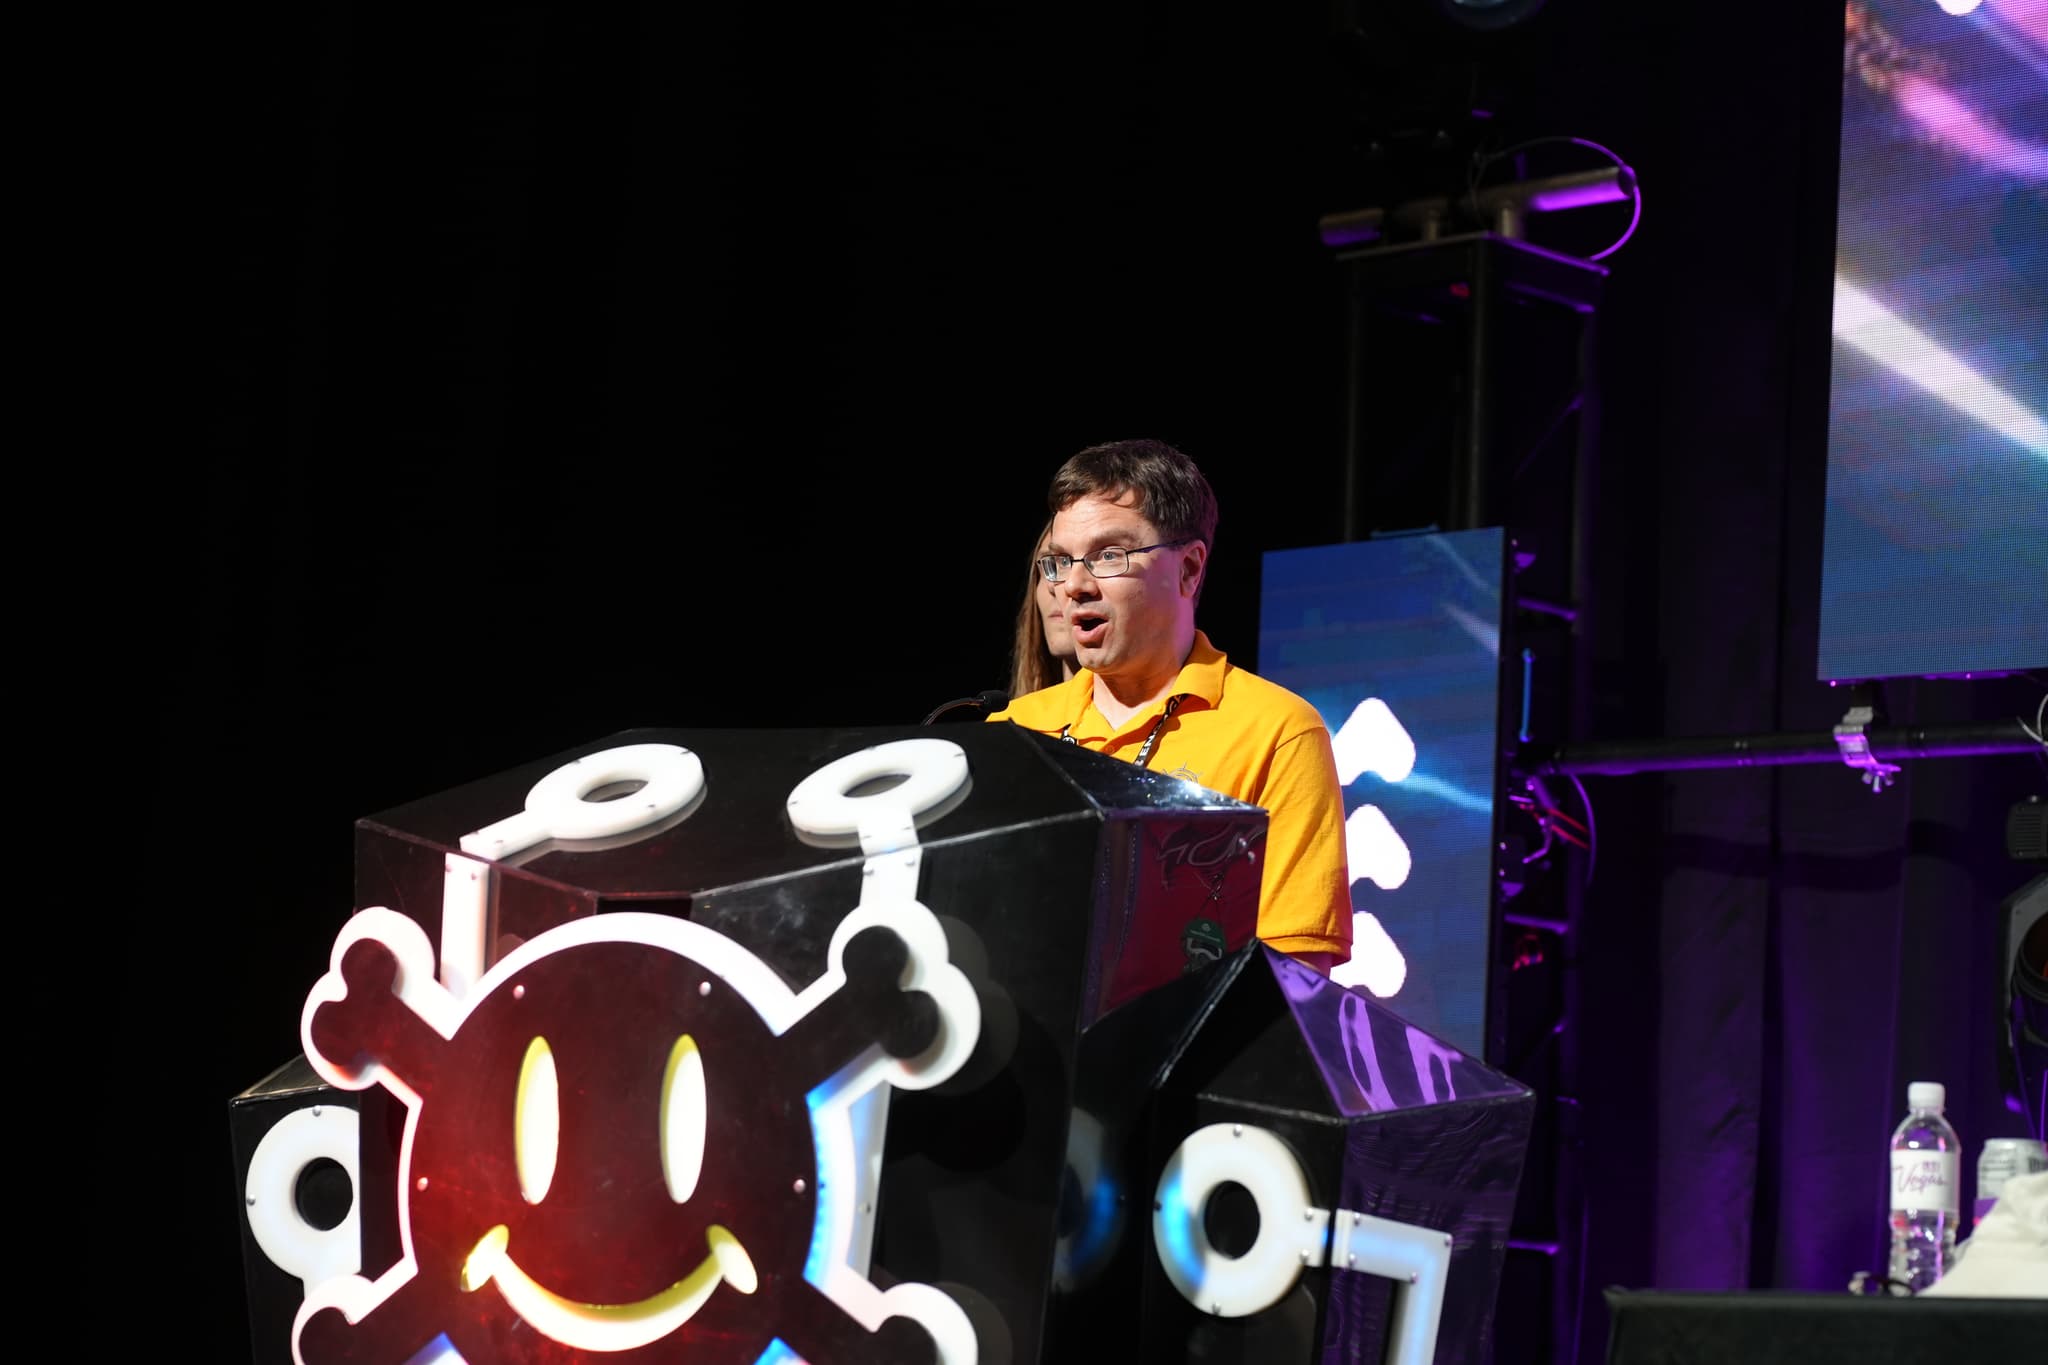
[(554, 371)]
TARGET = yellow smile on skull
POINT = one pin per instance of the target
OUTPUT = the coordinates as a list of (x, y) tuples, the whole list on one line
[(608, 1327)]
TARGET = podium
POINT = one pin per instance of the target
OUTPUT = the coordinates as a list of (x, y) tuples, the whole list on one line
[(992, 985)]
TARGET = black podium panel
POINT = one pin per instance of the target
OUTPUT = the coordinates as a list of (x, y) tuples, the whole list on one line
[(735, 861), (1408, 1150), (300, 1179), (1091, 905), (1784, 1328)]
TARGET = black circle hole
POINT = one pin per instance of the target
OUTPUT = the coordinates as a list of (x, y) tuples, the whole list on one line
[(1230, 1219), (323, 1193), (875, 786), (612, 791)]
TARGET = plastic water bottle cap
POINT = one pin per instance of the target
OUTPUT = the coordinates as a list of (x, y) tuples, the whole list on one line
[(1926, 1095)]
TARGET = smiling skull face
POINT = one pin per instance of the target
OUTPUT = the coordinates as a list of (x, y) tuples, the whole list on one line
[(616, 1145), (611, 1149)]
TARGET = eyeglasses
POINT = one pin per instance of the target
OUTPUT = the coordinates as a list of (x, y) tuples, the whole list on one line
[(1107, 562)]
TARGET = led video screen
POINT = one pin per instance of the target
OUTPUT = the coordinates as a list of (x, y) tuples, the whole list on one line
[(1396, 643), (1936, 551)]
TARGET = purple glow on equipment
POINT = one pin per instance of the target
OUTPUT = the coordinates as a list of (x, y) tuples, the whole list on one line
[(1577, 197), (1786, 750)]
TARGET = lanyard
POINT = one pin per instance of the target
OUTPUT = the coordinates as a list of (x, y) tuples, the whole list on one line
[(1152, 740)]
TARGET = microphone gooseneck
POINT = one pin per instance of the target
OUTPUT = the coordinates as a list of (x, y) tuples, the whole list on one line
[(987, 702)]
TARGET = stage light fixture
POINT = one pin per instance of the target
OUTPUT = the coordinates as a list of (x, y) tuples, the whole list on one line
[(1422, 93), (1502, 208)]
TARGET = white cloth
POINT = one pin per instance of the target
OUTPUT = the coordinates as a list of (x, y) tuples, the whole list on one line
[(2007, 1257)]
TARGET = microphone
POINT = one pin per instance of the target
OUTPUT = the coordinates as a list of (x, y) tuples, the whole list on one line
[(977, 707)]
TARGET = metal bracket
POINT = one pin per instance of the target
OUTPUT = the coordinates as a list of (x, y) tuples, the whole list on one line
[(1854, 743), (1416, 1259)]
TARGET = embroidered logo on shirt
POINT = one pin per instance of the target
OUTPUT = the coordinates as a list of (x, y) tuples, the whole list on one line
[(1203, 942)]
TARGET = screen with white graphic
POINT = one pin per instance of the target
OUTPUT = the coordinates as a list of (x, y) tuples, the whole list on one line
[(1936, 544), (1396, 642)]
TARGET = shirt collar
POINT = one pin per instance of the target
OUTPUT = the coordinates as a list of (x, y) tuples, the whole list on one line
[(1200, 677)]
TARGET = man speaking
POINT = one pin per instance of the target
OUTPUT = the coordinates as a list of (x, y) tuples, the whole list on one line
[(1131, 528)]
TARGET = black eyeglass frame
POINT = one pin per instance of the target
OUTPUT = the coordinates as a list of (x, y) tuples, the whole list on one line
[(1054, 572)]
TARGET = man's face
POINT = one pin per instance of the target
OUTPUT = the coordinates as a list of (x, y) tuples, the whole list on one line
[(1127, 626)]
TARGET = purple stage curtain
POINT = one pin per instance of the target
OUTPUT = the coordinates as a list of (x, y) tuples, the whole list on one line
[(1765, 957)]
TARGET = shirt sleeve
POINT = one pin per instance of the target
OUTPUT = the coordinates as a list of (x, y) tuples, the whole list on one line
[(1305, 886)]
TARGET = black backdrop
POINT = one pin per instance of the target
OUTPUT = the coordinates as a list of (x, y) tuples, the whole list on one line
[(556, 371)]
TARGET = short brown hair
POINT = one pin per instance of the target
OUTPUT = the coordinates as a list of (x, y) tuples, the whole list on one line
[(1171, 492)]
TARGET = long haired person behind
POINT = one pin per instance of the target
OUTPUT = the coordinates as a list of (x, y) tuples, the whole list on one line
[(1043, 651)]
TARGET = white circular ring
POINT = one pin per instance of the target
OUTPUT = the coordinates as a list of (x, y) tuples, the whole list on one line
[(1234, 1287), (293, 1143), (673, 777), (932, 771)]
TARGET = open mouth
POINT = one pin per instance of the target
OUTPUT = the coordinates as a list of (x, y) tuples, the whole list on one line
[(604, 1326), (1088, 627)]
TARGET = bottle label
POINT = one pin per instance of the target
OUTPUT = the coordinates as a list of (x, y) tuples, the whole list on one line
[(1926, 1180)]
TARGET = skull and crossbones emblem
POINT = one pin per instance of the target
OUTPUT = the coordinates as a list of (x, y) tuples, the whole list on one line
[(626, 1141)]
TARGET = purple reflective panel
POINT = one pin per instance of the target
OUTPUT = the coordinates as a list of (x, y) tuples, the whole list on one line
[(1370, 1058)]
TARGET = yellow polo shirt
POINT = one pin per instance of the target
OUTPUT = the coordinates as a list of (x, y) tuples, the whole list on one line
[(1250, 739)]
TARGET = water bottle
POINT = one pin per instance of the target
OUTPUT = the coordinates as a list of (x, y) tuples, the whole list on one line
[(1926, 1189)]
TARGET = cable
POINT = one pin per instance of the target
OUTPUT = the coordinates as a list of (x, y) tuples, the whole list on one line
[(1575, 824), (1548, 820), (1480, 161), (1528, 808), (2034, 731), (1592, 828), (1528, 674), (2037, 734)]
